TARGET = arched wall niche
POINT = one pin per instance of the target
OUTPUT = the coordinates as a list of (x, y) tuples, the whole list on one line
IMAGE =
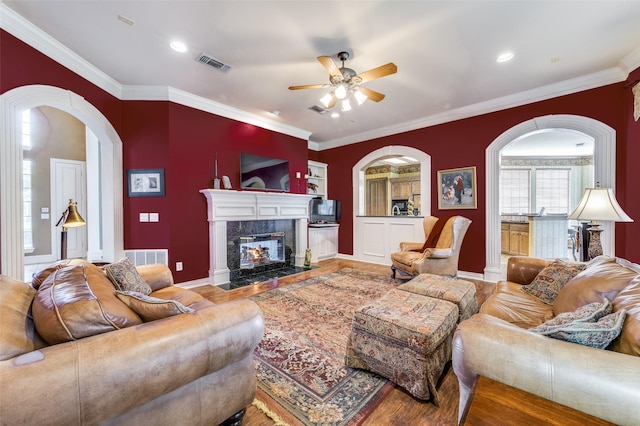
[(604, 172), (12, 103)]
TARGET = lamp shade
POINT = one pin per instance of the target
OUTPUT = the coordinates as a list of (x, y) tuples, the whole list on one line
[(73, 219), (599, 204)]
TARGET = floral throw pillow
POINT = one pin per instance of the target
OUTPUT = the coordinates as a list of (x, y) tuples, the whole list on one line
[(125, 277), (548, 283), (152, 308), (587, 313), (598, 334)]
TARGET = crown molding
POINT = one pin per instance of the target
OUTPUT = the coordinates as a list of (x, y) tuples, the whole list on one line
[(171, 94), (631, 61), (579, 84)]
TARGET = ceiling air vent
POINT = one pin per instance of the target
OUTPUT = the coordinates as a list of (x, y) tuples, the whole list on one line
[(211, 61), (319, 109)]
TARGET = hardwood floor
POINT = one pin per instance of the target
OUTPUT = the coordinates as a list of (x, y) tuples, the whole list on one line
[(398, 408)]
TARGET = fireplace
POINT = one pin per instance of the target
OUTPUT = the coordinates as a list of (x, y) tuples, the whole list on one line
[(237, 216)]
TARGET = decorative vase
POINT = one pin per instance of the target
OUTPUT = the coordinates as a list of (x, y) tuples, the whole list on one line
[(307, 259)]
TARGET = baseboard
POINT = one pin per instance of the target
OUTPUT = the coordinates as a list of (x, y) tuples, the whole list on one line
[(194, 283)]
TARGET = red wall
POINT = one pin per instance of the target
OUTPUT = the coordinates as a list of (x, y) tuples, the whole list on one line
[(463, 143)]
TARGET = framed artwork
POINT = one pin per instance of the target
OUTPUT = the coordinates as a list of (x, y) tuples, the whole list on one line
[(457, 188), (145, 182)]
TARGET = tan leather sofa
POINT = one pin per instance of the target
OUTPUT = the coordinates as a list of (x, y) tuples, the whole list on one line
[(497, 344), (194, 368)]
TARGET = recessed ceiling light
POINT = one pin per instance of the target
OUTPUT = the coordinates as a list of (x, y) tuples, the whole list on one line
[(504, 57), (178, 46), (335, 115)]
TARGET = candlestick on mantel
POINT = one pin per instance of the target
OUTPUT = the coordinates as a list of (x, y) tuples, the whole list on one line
[(215, 174)]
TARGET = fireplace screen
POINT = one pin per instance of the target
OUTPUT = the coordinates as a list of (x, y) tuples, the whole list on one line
[(261, 249)]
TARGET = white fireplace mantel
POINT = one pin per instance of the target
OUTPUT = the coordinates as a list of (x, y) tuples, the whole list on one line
[(229, 206)]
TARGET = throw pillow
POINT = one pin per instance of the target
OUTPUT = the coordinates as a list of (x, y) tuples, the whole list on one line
[(78, 301), (125, 277), (548, 283), (588, 313), (594, 334), (151, 308)]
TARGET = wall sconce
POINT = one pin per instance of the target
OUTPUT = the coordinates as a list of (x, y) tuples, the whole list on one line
[(598, 204), (70, 219)]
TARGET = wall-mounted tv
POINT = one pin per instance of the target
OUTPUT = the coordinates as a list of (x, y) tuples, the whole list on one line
[(266, 173)]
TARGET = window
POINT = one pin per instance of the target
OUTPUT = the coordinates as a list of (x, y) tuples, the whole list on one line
[(515, 189), (552, 190), (26, 183), (26, 129)]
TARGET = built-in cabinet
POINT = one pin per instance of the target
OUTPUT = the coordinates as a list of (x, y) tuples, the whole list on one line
[(317, 179), (515, 238), (406, 189), (540, 236), (323, 242)]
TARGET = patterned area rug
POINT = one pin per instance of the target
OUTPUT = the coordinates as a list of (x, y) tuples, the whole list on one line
[(302, 379)]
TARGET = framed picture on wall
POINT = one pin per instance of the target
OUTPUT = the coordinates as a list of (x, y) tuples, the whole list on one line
[(145, 182), (457, 188)]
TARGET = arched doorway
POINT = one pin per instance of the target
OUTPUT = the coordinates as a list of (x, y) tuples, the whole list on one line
[(11, 227), (605, 172), (375, 237)]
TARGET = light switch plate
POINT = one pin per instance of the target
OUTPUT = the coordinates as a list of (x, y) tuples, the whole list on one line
[(154, 217), (144, 217)]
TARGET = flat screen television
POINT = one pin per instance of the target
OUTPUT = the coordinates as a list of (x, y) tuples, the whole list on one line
[(266, 173), (324, 211)]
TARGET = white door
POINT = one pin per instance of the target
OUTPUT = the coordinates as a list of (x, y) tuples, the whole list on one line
[(68, 182)]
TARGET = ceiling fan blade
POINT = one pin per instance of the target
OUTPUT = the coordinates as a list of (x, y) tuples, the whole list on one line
[(372, 94), (307, 86), (332, 103), (379, 72), (330, 66)]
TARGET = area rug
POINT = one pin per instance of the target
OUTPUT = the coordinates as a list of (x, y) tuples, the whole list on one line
[(302, 379)]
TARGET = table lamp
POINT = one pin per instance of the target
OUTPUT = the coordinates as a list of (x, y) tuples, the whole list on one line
[(598, 204)]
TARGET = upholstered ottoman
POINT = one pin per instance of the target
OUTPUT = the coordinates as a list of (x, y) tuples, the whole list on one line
[(460, 292), (405, 337)]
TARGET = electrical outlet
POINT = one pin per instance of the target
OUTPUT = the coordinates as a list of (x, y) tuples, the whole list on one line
[(178, 266)]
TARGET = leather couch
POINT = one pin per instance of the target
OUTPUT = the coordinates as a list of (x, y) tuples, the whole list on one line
[(497, 343), (194, 368)]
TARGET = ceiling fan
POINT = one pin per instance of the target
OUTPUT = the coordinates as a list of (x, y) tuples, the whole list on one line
[(346, 81)]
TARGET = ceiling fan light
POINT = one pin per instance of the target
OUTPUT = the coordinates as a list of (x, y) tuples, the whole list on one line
[(346, 105), (341, 91), (360, 97), (326, 99)]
